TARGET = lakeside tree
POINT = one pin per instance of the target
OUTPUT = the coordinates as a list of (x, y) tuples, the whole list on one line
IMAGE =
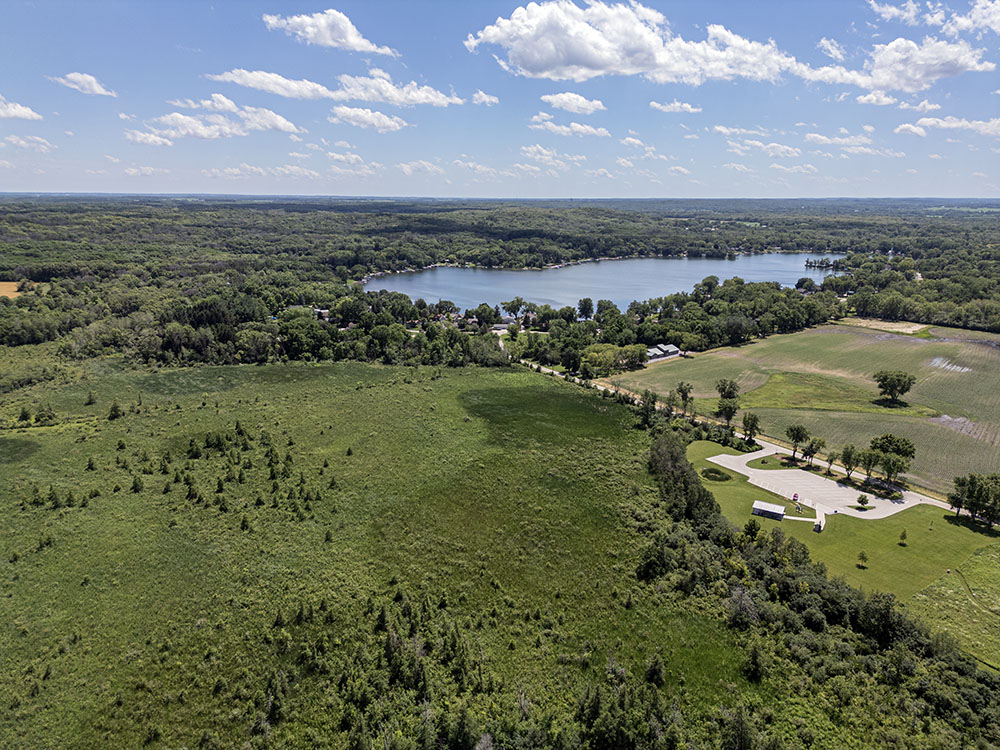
[(684, 391), (894, 383), (797, 434), (586, 308), (751, 426), (849, 459), (889, 443)]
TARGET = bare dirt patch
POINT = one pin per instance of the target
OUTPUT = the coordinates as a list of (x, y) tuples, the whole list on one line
[(9, 289), (884, 325), (966, 426)]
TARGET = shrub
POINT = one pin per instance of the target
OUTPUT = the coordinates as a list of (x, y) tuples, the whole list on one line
[(715, 475)]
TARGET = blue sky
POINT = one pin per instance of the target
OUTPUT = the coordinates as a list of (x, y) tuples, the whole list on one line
[(502, 99)]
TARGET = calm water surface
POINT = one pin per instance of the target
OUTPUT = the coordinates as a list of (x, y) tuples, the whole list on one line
[(620, 281)]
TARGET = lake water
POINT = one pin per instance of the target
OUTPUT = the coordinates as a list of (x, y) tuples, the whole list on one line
[(620, 281)]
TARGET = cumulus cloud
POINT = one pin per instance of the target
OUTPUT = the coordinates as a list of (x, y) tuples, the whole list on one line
[(145, 171), (911, 129), (147, 139), (727, 131), (30, 143), (832, 49), (421, 166), (737, 167), (869, 151), (907, 13), (602, 173), (983, 127), (984, 15), (543, 121), (558, 40), (679, 170), (575, 103), (379, 87), (243, 171), (550, 157), (878, 98), (216, 103), (774, 150), (84, 83), (330, 28), (481, 97), (272, 83), (13, 110), (795, 169), (675, 106), (923, 106), (838, 140), (367, 118), (621, 161)]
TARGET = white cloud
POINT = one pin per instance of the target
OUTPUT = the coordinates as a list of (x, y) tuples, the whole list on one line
[(621, 161), (243, 171), (550, 157), (844, 140), (911, 129), (878, 98), (112, 159), (123, 116), (84, 83), (420, 166), (575, 103), (796, 169), (217, 103), (675, 106), (832, 49), (558, 40), (299, 155), (923, 106), (331, 28), (273, 83), (543, 121), (774, 150), (631, 141), (984, 14), (738, 131), (30, 143), (983, 127), (378, 87), (480, 170), (145, 171), (935, 156), (737, 167), (481, 97), (907, 13), (869, 151), (258, 118), (147, 139), (367, 118), (4, 164), (679, 170), (602, 172), (13, 110), (691, 137)]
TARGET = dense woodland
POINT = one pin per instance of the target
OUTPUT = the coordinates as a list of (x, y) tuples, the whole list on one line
[(176, 281)]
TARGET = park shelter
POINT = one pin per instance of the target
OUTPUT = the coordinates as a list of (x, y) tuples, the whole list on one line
[(768, 510)]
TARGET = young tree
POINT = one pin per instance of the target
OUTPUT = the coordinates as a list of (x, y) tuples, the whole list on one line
[(893, 465), (902, 538), (727, 409), (751, 426), (831, 457), (894, 383), (889, 443), (728, 389), (862, 559), (868, 460), (863, 500), (814, 446), (684, 391), (797, 434), (647, 408), (849, 458)]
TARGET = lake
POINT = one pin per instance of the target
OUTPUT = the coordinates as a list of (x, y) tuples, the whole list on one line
[(620, 281)]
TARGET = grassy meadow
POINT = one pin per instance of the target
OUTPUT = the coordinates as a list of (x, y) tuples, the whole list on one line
[(138, 612), (822, 378)]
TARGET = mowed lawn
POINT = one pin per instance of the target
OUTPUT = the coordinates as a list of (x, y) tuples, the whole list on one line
[(822, 378), (916, 572)]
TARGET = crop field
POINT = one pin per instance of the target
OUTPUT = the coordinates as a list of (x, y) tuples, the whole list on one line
[(147, 559), (822, 378), (916, 571)]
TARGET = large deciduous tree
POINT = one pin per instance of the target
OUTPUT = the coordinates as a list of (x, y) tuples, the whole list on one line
[(894, 383), (797, 434)]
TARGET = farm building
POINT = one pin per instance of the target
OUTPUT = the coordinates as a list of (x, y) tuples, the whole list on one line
[(768, 510), (662, 350)]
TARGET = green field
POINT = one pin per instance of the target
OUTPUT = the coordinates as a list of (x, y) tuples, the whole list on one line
[(498, 493), (822, 378), (916, 572)]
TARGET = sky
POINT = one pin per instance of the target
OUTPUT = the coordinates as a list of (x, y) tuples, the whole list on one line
[(547, 99)]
